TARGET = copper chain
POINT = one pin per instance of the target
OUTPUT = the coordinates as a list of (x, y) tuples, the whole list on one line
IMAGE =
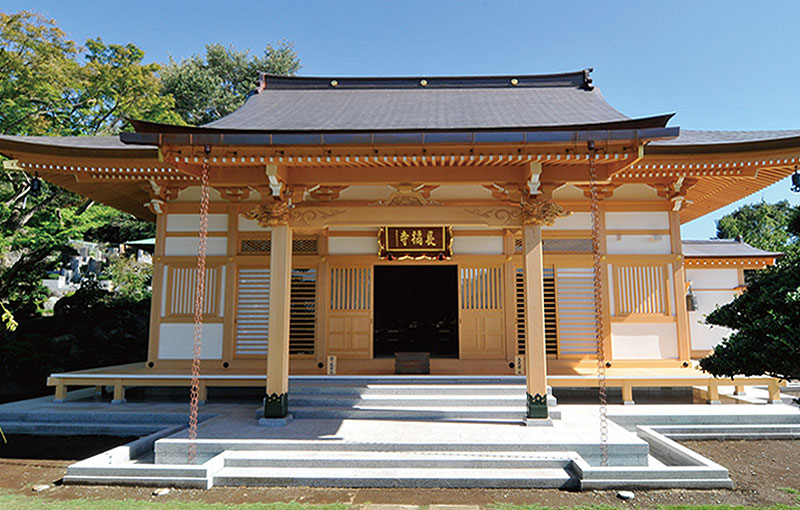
[(199, 303), (597, 268)]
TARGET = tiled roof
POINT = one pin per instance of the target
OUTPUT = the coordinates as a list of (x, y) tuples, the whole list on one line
[(693, 137), (722, 248), (74, 142), (434, 103)]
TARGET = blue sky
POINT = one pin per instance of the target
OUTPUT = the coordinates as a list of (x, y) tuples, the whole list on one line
[(731, 65)]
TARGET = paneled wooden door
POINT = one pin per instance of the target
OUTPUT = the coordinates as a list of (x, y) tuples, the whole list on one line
[(481, 309), (350, 312)]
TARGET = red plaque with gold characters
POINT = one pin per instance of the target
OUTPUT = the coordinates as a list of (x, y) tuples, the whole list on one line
[(399, 243)]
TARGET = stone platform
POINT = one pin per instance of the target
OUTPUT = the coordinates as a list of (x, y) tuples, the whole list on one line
[(388, 433)]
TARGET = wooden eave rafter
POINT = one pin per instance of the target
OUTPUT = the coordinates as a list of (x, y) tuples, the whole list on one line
[(112, 176), (723, 262), (721, 178)]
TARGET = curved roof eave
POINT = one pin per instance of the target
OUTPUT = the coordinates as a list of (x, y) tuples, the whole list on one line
[(648, 128), (716, 142), (76, 146)]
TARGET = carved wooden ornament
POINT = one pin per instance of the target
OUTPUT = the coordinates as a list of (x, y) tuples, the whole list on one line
[(269, 214), (542, 212)]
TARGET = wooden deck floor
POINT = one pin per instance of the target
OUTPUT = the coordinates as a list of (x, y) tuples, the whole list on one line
[(137, 374)]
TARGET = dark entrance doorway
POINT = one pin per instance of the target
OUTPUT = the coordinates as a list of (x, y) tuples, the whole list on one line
[(416, 310)]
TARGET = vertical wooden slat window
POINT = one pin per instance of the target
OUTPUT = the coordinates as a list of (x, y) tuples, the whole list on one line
[(481, 288), (550, 312), (252, 312), (303, 318), (182, 291), (519, 312), (641, 289), (350, 288)]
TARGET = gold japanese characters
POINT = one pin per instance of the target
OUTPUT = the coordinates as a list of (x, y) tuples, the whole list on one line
[(399, 243)]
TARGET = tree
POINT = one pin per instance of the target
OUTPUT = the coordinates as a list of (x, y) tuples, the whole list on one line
[(38, 71), (131, 278), (765, 320), (46, 90), (762, 225), (210, 87)]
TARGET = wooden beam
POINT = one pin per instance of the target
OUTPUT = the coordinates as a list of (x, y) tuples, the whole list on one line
[(312, 216), (353, 175)]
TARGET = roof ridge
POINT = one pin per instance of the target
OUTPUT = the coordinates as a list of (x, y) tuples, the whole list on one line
[(575, 79)]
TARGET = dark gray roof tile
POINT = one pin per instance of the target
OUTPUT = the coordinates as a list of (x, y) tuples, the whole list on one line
[(722, 248), (455, 103)]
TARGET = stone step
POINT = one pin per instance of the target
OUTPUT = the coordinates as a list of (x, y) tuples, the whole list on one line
[(732, 432), (405, 400), (396, 477), (516, 413), (77, 428), (95, 416), (392, 459), (408, 389)]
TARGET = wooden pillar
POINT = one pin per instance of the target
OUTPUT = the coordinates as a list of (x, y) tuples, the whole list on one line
[(679, 288), (276, 403), (605, 284), (535, 354), (229, 313), (158, 290)]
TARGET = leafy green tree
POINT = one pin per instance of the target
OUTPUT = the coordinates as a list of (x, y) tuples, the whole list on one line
[(761, 225), (765, 320), (131, 278), (108, 225), (210, 87), (115, 84), (51, 86), (37, 71)]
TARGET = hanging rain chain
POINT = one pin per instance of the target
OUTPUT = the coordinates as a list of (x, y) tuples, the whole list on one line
[(199, 298), (597, 267)]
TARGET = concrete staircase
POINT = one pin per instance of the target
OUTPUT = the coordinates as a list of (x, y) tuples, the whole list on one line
[(347, 467), (410, 398)]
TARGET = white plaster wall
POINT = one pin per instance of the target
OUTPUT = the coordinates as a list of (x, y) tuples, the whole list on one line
[(461, 192), (175, 341), (192, 194), (478, 245), (638, 245), (637, 220), (575, 221), (246, 225), (713, 278), (191, 222), (353, 245), (180, 246), (704, 336), (644, 341)]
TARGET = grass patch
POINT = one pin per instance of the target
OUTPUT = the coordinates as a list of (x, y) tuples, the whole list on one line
[(18, 502)]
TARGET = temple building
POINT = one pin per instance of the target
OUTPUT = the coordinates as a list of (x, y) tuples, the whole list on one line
[(492, 225)]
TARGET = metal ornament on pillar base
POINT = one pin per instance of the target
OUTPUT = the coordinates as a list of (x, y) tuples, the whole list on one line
[(538, 413), (276, 410)]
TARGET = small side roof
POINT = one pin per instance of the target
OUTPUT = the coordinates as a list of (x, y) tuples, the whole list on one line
[(723, 248), (696, 141)]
